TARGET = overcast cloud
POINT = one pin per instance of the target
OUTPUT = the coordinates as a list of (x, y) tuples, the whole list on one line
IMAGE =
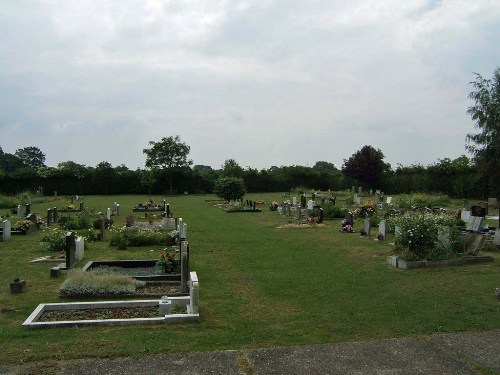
[(264, 82)]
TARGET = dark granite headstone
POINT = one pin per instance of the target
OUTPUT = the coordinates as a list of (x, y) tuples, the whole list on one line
[(18, 286), (348, 218), (27, 209), (81, 206), (478, 211), (55, 216), (49, 216), (70, 250)]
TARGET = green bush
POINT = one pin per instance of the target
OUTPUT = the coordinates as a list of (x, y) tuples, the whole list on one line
[(330, 211), (122, 238), (230, 188), (23, 225), (7, 202), (98, 282), (418, 234), (53, 239)]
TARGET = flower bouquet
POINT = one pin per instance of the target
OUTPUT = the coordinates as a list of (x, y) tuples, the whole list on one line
[(167, 262)]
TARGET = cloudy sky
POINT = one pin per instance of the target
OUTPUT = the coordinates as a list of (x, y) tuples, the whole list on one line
[(264, 82)]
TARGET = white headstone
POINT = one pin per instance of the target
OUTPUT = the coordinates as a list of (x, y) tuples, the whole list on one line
[(118, 209), (80, 248), (382, 229), (18, 210), (358, 200), (294, 201), (108, 214), (360, 190), (496, 237), (310, 204), (377, 192), (389, 200), (478, 220), (444, 237), (7, 227), (397, 231), (180, 225), (465, 215), (194, 290)]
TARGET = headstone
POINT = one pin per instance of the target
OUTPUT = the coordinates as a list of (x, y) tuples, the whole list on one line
[(465, 215), (49, 216), (70, 250), (384, 206), (475, 242), (353, 189), (114, 208), (80, 248), (18, 210), (382, 230), (7, 228), (102, 228), (168, 210), (348, 218), (496, 237), (194, 288), (389, 200), (184, 268), (17, 286), (360, 190), (358, 200), (377, 191), (165, 206), (294, 201), (298, 211), (321, 215), (313, 196), (478, 211), (180, 228), (371, 191), (397, 231), (165, 306), (55, 193), (367, 227), (444, 237), (118, 209), (108, 214), (310, 205), (303, 201), (478, 221), (27, 209), (287, 203)]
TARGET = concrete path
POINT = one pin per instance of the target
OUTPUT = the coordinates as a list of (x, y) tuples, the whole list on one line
[(457, 353)]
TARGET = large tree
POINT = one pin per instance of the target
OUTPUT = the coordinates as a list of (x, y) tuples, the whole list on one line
[(365, 165), (169, 155), (230, 188), (31, 156), (485, 145), (231, 169)]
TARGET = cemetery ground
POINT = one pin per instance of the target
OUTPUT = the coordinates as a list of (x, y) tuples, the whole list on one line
[(260, 287)]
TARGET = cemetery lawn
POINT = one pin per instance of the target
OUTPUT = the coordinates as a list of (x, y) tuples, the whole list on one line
[(259, 287)]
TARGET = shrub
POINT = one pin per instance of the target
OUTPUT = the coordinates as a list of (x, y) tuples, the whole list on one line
[(97, 282), (330, 211), (418, 235), (230, 188), (7, 202), (23, 225), (107, 223), (53, 239), (365, 210), (142, 237)]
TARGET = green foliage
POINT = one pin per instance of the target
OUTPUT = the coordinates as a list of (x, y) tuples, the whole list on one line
[(330, 211), (485, 146), (7, 202), (31, 156), (422, 200), (53, 239), (98, 282), (418, 235), (365, 210), (23, 225), (365, 165), (230, 188), (231, 169), (124, 237), (168, 154), (167, 262)]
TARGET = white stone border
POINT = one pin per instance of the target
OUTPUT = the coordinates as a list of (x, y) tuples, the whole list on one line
[(189, 302)]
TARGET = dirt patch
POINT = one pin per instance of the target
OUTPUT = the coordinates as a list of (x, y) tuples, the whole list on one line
[(106, 313)]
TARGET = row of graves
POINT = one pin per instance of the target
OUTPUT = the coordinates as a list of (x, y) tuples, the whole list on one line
[(305, 210), (171, 289)]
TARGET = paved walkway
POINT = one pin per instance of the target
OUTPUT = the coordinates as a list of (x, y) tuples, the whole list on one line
[(443, 354)]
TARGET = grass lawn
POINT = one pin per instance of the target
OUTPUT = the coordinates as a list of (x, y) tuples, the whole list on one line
[(259, 287)]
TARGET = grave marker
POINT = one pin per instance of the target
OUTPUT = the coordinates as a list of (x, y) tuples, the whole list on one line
[(184, 267), (353, 189), (27, 209), (478, 211), (194, 298), (80, 248), (55, 214), (70, 250), (7, 230), (382, 230), (294, 201), (118, 209), (49, 216), (496, 237), (102, 228), (444, 237), (465, 215), (18, 210), (108, 214), (360, 190), (367, 227), (389, 200)]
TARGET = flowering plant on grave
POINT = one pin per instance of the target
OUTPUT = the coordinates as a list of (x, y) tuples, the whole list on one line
[(274, 206), (23, 225), (167, 262)]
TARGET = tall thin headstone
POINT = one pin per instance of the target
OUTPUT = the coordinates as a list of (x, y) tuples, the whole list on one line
[(27, 209), (118, 209), (294, 201), (353, 189), (81, 206), (496, 237), (298, 211), (70, 250), (80, 248), (367, 227), (49, 216), (7, 230), (108, 214), (55, 214), (360, 190), (184, 267), (194, 288), (382, 230), (18, 210)]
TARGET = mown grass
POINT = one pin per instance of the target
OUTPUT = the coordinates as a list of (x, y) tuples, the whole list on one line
[(260, 287)]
